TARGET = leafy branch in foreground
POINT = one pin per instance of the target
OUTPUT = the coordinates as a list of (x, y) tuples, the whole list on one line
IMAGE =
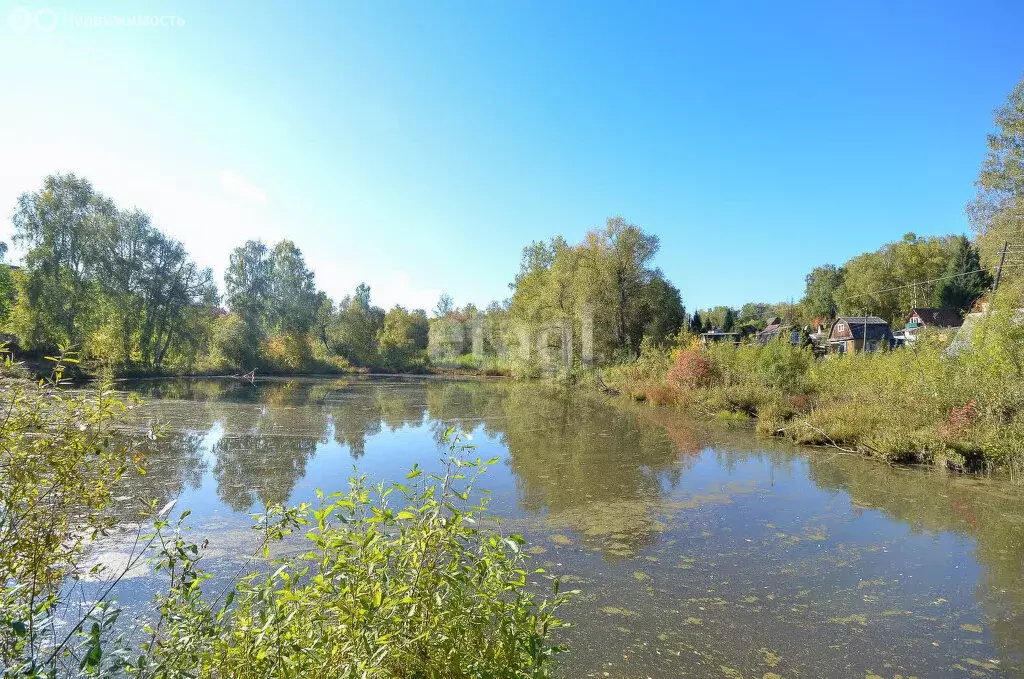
[(57, 468), (396, 580)]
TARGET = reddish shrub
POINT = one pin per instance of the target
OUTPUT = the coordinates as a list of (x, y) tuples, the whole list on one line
[(693, 369), (960, 419), (799, 402)]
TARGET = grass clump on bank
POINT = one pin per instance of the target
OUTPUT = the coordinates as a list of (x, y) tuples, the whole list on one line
[(923, 403)]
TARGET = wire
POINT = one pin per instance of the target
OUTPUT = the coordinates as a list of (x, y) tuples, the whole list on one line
[(934, 280)]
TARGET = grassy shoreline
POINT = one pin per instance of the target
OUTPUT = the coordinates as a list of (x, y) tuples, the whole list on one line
[(921, 404)]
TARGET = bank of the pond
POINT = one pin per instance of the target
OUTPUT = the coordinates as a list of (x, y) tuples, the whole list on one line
[(924, 403)]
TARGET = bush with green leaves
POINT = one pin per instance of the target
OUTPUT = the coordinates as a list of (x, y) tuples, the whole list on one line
[(58, 466), (393, 580)]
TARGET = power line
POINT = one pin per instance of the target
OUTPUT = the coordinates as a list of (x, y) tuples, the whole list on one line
[(932, 280)]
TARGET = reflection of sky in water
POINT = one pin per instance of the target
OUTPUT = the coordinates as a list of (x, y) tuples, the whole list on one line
[(698, 550)]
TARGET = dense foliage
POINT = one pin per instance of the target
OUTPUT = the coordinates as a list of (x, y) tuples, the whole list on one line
[(397, 581), (607, 278), (103, 277), (106, 279), (58, 466)]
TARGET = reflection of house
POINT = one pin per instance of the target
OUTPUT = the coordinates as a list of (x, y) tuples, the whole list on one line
[(775, 329), (852, 333), (927, 318), (717, 335)]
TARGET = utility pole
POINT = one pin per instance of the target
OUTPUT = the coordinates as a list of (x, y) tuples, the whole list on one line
[(999, 269)]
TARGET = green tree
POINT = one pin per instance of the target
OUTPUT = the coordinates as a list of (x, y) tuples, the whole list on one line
[(402, 338), (7, 287), (445, 305), (628, 273), (821, 285), (58, 226), (894, 278), (293, 301), (247, 282), (662, 309), (353, 331), (322, 319), (608, 276), (997, 212), (234, 342), (729, 321), (964, 280)]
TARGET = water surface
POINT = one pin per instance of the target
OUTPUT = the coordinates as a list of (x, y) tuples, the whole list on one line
[(700, 550)]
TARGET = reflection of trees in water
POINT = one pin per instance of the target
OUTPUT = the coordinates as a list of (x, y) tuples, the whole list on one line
[(353, 422), (279, 391), (264, 451), (172, 463), (992, 514), (256, 467), (591, 466), (465, 405)]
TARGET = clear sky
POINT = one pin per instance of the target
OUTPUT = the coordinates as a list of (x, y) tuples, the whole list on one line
[(419, 145)]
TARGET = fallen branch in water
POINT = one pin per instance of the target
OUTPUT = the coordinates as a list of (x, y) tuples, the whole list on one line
[(604, 388), (830, 443)]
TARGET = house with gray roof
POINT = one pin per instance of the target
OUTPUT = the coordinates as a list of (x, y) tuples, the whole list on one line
[(850, 334)]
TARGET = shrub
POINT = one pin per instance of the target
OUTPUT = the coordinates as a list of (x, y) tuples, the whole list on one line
[(287, 352), (57, 469), (386, 588), (693, 369), (236, 344)]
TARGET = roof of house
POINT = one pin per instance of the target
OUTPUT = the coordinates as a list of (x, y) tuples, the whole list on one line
[(940, 318), (876, 327)]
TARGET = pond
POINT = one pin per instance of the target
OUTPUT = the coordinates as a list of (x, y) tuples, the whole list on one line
[(700, 549)]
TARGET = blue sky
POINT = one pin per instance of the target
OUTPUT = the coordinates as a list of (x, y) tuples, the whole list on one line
[(419, 145)]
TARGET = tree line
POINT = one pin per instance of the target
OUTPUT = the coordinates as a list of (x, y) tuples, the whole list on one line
[(105, 279)]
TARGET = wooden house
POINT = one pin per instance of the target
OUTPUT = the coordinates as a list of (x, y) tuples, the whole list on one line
[(927, 318), (775, 329), (849, 334), (717, 335)]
